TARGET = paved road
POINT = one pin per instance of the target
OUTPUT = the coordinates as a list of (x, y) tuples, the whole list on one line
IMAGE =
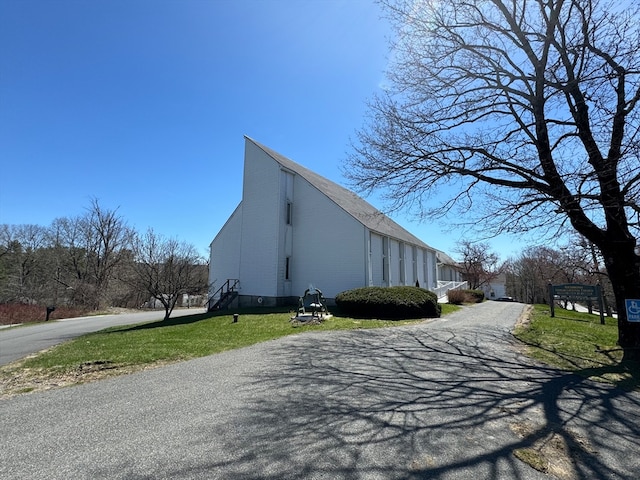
[(448, 399), (16, 343)]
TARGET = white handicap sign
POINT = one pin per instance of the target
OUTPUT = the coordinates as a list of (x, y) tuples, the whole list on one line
[(633, 310)]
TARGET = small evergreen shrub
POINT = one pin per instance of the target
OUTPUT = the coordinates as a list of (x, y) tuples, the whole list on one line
[(389, 303)]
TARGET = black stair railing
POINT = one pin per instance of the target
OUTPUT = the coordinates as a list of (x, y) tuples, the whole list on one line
[(224, 295)]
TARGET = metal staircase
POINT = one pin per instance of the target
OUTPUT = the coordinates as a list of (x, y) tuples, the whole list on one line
[(224, 295)]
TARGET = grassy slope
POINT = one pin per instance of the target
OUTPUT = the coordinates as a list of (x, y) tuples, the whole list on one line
[(578, 342)]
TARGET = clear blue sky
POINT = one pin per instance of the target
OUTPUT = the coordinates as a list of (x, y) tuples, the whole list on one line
[(143, 104)]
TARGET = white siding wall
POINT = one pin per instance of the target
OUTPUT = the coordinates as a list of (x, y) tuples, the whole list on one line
[(495, 290), (407, 263), (375, 253), (261, 211), (327, 244), (224, 260), (431, 268), (414, 265), (394, 265), (448, 273), (429, 280), (420, 267), (285, 254), (402, 263)]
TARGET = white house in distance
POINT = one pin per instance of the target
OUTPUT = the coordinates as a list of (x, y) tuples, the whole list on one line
[(294, 228), (496, 288)]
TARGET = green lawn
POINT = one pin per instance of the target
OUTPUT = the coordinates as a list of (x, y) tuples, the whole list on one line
[(578, 342), (181, 338), (572, 341)]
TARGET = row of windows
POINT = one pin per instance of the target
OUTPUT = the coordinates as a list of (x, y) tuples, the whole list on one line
[(401, 260)]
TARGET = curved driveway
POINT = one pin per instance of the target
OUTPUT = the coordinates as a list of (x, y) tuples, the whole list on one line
[(16, 343), (448, 399)]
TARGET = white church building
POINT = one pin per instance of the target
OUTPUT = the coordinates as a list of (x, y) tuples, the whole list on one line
[(294, 228)]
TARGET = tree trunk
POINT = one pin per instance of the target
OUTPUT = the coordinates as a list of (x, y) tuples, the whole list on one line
[(623, 266)]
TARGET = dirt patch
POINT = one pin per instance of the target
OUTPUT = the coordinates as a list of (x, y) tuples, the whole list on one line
[(525, 317), (16, 379), (555, 452)]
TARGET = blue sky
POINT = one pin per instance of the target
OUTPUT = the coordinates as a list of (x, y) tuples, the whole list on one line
[(143, 104)]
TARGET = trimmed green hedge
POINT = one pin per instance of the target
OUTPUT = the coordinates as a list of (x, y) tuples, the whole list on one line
[(389, 303)]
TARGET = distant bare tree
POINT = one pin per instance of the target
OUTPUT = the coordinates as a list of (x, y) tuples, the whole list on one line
[(109, 239), (525, 112), (480, 265), (167, 268), (529, 275), (21, 263), (89, 248), (71, 250)]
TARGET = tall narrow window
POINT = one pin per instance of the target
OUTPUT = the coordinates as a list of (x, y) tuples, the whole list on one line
[(289, 213), (385, 259), (401, 253), (287, 268)]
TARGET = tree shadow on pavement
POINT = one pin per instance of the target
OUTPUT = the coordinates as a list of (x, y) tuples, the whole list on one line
[(416, 403), (197, 317), (170, 322)]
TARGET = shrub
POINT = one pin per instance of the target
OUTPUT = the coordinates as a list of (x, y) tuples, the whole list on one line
[(389, 303), (15, 313), (458, 297), (477, 296)]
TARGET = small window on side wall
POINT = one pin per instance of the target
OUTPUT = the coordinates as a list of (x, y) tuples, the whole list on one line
[(289, 213), (287, 268)]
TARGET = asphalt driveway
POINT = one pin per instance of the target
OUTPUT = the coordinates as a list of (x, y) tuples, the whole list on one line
[(448, 399), (16, 343)]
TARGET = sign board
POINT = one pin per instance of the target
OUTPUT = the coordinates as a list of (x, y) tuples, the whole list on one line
[(633, 309), (575, 291)]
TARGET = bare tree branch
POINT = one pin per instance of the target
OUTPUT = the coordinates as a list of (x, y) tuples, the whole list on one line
[(528, 108)]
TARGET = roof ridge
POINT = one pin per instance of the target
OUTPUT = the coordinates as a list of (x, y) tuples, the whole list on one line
[(349, 201)]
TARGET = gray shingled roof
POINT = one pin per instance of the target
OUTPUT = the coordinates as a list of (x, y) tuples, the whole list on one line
[(444, 258), (351, 203)]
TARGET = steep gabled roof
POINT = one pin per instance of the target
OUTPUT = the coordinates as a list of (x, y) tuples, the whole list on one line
[(361, 210)]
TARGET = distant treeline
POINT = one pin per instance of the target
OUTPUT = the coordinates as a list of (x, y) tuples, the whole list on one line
[(94, 261)]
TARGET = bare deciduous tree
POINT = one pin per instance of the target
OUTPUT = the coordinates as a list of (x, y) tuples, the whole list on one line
[(109, 238), (480, 265), (22, 268), (167, 269), (529, 275), (526, 110), (89, 248)]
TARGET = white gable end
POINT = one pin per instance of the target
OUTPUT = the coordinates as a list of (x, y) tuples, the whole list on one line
[(295, 228), (260, 223), (224, 260)]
